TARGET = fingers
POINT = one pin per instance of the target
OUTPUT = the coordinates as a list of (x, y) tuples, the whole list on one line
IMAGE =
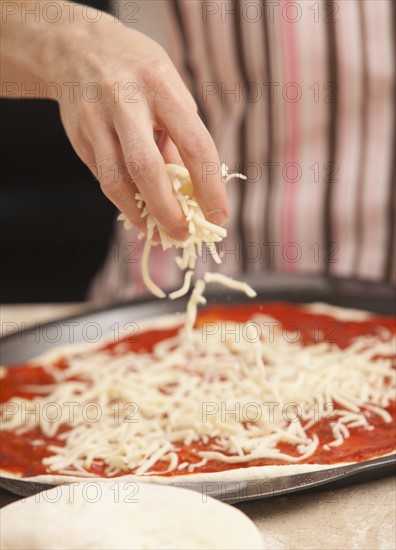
[(199, 154), (131, 160), (140, 150)]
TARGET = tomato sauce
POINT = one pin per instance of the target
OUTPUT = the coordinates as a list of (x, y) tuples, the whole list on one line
[(23, 453)]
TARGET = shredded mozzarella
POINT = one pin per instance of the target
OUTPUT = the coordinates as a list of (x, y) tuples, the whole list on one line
[(185, 288), (200, 230), (230, 283)]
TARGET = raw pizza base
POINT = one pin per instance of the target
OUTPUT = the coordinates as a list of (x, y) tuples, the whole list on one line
[(141, 516)]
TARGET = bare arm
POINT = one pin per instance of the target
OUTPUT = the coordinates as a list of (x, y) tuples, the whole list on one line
[(124, 107)]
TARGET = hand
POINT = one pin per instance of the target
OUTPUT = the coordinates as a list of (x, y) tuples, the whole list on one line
[(145, 118)]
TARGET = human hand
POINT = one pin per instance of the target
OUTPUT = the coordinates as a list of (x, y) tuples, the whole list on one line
[(145, 118)]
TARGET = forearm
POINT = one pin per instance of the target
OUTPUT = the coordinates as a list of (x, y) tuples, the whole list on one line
[(37, 40)]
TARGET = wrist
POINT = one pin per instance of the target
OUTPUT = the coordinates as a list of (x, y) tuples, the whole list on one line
[(76, 53), (42, 49), (67, 44)]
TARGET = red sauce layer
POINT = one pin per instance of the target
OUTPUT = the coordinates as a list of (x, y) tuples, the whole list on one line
[(22, 454)]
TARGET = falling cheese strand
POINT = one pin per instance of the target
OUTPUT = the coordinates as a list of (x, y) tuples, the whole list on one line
[(145, 272), (200, 230), (185, 288), (230, 283)]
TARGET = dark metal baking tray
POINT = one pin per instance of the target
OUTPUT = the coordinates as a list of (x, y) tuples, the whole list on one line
[(23, 345)]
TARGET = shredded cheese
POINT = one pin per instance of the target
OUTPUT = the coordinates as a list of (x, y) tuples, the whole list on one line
[(185, 288), (200, 230), (230, 283)]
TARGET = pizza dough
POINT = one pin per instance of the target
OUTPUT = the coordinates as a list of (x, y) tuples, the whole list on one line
[(119, 515)]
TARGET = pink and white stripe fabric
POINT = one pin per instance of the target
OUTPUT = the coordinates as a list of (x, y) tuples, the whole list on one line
[(300, 96)]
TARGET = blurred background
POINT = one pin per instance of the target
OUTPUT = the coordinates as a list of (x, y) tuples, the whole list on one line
[(57, 225), (44, 185)]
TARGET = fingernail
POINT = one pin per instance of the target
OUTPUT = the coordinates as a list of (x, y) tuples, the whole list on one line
[(178, 233), (217, 217)]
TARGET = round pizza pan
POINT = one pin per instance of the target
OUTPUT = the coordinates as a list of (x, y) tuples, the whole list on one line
[(23, 345)]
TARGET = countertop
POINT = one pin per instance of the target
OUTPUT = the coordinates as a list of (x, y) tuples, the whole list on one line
[(360, 516)]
